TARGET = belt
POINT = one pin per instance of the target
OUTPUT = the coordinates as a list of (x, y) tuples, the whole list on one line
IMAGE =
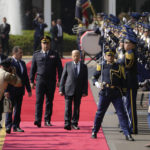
[(109, 86)]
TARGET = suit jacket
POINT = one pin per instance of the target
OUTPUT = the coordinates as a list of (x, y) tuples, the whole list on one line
[(24, 78), (70, 84), (53, 32), (46, 68), (5, 30), (2, 57), (39, 28)]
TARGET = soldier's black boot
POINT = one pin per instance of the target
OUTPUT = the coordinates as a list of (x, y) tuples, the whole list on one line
[(94, 135), (129, 138)]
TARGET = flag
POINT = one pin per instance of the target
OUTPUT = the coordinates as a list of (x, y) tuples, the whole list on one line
[(81, 9)]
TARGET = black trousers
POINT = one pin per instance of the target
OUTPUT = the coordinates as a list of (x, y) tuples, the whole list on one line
[(17, 104), (1, 109), (5, 45), (43, 88), (59, 46), (37, 41), (69, 119)]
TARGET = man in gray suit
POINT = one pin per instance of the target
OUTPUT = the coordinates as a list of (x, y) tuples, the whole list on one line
[(73, 85)]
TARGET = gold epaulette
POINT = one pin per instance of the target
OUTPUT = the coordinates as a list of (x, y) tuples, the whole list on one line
[(129, 56), (129, 60), (98, 67), (122, 69)]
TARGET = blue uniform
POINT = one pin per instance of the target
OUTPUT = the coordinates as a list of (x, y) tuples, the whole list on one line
[(45, 67), (132, 86), (114, 78)]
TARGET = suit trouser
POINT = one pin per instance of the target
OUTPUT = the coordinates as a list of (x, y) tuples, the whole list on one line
[(5, 45), (1, 109), (48, 89), (17, 103), (131, 107), (37, 41), (59, 46), (103, 105), (68, 110)]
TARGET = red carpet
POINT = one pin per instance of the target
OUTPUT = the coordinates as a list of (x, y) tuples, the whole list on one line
[(55, 137)]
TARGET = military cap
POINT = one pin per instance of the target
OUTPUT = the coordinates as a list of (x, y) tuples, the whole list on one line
[(136, 15), (114, 19), (130, 38), (145, 14), (109, 51), (6, 63), (146, 27), (45, 39)]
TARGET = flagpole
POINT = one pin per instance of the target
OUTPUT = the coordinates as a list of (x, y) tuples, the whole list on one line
[(93, 11)]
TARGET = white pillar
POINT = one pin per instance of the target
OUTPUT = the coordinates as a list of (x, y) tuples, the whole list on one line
[(47, 13), (112, 7)]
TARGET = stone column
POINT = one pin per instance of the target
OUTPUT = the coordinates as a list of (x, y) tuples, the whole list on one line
[(112, 7), (47, 13)]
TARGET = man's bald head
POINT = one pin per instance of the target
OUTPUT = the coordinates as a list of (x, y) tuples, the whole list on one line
[(76, 55)]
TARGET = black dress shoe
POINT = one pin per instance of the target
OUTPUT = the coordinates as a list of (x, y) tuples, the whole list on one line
[(0, 126), (75, 127), (94, 135), (18, 130), (129, 138), (38, 124), (48, 124), (67, 127), (8, 130)]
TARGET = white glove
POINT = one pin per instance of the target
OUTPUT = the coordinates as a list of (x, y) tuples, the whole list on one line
[(98, 85), (107, 30)]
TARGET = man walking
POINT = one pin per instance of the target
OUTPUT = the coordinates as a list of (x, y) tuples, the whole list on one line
[(73, 85), (45, 63), (16, 94)]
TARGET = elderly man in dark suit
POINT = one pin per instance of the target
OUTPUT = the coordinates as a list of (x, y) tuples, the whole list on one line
[(74, 85), (45, 63), (4, 35), (16, 94)]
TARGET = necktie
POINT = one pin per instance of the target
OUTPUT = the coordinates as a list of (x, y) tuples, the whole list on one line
[(76, 70), (19, 68), (45, 55)]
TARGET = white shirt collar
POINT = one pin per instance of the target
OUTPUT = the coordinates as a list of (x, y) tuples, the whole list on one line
[(45, 51)]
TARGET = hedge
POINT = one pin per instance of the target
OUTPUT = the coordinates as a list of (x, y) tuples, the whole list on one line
[(25, 41)]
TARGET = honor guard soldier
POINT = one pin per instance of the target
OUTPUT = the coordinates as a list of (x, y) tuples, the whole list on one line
[(45, 63), (131, 78), (112, 82)]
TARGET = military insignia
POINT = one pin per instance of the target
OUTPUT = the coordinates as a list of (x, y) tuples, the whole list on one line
[(52, 56)]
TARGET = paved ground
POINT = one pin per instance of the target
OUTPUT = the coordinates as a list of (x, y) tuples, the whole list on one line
[(115, 139)]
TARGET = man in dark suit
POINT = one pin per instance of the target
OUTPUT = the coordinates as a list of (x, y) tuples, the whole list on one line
[(2, 57), (45, 63), (39, 25), (16, 93), (53, 32), (74, 85), (4, 35), (59, 46)]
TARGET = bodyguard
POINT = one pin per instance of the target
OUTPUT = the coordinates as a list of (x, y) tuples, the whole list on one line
[(45, 63), (112, 82), (16, 93)]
